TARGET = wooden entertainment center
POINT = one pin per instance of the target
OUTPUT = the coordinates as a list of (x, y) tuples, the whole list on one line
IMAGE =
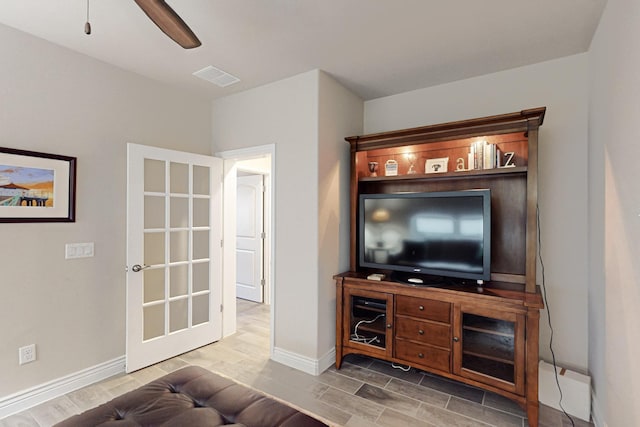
[(483, 335)]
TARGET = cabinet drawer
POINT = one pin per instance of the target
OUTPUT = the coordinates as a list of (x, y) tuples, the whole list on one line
[(423, 308), (424, 331), (425, 355)]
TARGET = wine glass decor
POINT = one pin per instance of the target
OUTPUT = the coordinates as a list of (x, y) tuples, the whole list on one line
[(412, 160)]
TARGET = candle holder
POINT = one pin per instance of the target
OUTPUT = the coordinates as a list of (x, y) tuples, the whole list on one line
[(373, 168)]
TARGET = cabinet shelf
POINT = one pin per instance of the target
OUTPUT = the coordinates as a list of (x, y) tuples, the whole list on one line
[(369, 308), (492, 368), (365, 332), (377, 326), (487, 325), (489, 346), (449, 175)]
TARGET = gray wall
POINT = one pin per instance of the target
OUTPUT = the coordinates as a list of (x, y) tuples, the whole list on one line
[(306, 117), (340, 115), (55, 101), (614, 313)]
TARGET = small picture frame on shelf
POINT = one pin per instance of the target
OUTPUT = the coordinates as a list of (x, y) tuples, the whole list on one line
[(391, 168), (436, 165)]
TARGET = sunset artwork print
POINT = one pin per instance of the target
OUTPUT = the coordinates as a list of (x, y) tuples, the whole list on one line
[(24, 186), (36, 187)]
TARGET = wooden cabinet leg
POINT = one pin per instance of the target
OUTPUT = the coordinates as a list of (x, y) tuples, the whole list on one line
[(532, 413), (533, 352), (339, 320)]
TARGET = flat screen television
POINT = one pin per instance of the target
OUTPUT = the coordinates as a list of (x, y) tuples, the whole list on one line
[(439, 234)]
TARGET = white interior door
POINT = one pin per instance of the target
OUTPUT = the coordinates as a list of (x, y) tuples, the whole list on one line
[(174, 256), (250, 238)]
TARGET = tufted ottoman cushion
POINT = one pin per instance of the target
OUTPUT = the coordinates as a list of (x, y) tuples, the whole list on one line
[(192, 396)]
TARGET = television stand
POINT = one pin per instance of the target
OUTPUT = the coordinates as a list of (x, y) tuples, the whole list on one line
[(475, 336)]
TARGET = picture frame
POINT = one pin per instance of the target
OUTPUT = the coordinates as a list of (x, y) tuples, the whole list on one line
[(36, 187), (439, 165), (391, 168)]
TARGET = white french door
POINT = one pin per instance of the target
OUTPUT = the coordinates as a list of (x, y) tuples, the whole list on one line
[(174, 256)]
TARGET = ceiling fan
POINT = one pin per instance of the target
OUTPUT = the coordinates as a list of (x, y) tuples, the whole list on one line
[(166, 19), (169, 22)]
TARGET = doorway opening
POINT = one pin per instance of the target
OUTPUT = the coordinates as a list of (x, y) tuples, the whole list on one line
[(249, 219)]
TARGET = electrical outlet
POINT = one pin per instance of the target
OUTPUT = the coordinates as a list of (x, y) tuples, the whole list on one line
[(27, 354)]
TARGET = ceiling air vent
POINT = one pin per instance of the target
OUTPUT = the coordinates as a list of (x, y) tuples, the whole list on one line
[(216, 76)]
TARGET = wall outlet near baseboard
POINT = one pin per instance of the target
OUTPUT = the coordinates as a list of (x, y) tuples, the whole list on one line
[(27, 354)]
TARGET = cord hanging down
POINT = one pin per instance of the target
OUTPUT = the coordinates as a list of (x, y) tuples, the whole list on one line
[(87, 25), (546, 303)]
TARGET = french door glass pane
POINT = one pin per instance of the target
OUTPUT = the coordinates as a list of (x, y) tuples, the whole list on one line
[(153, 319), (179, 177), (200, 212), (200, 180), (154, 175), (179, 213), (179, 246), (200, 309), (153, 212), (178, 277), (154, 248), (153, 284), (200, 244), (200, 276), (178, 314)]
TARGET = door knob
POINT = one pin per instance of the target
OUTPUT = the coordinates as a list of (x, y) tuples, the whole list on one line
[(138, 267)]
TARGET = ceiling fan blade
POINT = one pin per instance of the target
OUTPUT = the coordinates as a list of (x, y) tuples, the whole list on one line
[(169, 22)]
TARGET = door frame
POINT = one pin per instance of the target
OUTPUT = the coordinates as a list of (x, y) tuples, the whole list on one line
[(230, 158)]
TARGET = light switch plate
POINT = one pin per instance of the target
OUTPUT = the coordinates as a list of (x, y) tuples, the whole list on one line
[(78, 250)]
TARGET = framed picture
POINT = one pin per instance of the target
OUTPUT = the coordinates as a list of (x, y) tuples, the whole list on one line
[(436, 165), (36, 187)]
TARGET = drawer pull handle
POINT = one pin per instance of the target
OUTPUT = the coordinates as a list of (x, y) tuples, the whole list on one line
[(456, 339), (421, 332), (421, 308), (420, 355), (388, 325)]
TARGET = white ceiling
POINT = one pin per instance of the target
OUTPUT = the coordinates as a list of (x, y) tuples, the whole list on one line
[(374, 47)]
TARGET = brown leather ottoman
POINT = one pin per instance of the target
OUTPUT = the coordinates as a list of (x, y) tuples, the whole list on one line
[(192, 396)]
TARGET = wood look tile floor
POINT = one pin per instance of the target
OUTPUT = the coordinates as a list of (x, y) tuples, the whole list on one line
[(364, 392)]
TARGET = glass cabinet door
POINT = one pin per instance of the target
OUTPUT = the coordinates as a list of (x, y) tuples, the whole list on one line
[(490, 348), (367, 321)]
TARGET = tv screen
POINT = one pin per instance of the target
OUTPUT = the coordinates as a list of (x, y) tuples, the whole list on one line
[(445, 234)]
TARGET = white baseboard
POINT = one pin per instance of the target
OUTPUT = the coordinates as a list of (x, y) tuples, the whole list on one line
[(34, 396), (327, 361), (305, 364)]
